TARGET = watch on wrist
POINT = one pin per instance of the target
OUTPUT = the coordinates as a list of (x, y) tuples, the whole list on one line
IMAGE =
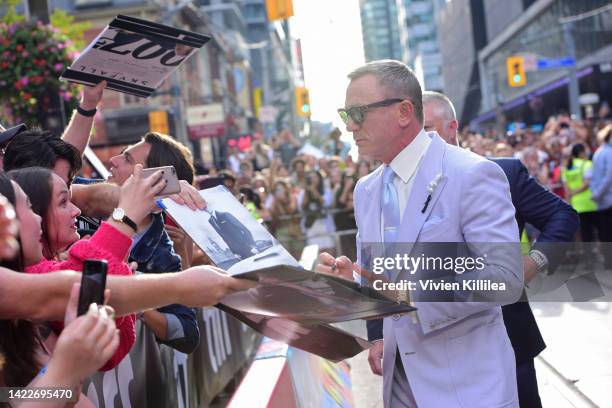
[(540, 259), (119, 215)]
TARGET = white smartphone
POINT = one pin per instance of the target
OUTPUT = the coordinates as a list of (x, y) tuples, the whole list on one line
[(169, 174)]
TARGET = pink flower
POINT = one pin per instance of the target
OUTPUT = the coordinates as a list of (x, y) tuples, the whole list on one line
[(25, 54), (24, 81), (58, 66)]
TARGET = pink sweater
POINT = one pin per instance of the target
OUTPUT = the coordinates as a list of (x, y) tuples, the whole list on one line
[(114, 246)]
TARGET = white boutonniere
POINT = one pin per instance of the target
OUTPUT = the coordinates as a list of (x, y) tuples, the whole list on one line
[(430, 190)]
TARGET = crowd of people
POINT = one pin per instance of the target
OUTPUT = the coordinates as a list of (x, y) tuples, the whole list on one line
[(303, 199), (53, 221), (569, 157)]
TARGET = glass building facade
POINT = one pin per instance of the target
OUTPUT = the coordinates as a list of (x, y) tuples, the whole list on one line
[(382, 36), (543, 38), (423, 47)]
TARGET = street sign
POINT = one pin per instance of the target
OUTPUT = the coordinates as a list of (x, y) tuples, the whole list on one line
[(588, 99), (205, 121), (267, 114), (605, 67), (530, 62), (551, 63)]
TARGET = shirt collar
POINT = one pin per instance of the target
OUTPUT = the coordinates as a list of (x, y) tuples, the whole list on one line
[(406, 162)]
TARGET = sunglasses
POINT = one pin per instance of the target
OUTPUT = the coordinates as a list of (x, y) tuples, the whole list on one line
[(357, 113)]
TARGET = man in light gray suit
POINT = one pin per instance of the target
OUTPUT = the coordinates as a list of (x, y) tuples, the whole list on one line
[(447, 354)]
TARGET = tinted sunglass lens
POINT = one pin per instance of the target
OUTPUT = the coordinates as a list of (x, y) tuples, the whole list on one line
[(357, 116), (343, 116)]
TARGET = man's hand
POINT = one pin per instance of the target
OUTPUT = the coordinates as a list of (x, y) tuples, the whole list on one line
[(189, 196), (530, 268), (182, 244), (341, 267), (206, 285), (92, 95), (85, 344), (138, 193), (375, 355)]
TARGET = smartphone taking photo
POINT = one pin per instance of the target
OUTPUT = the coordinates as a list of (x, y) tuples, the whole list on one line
[(93, 284), (169, 174)]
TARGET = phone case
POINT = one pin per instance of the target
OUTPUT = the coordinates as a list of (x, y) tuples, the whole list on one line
[(172, 186)]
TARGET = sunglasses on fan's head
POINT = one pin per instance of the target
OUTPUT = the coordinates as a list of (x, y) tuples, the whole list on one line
[(357, 113)]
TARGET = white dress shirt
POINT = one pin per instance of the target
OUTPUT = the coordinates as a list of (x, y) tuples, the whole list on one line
[(405, 166)]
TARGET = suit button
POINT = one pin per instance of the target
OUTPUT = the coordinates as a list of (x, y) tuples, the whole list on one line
[(396, 317)]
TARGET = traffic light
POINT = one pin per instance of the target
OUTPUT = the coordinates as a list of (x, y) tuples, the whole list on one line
[(279, 9), (302, 102), (516, 71), (158, 122), (257, 100)]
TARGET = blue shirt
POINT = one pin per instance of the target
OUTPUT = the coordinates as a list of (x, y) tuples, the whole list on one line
[(601, 179)]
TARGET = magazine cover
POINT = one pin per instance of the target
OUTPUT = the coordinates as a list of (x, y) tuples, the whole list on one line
[(134, 56), (228, 234)]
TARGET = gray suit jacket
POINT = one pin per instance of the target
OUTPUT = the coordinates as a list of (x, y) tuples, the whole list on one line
[(455, 354)]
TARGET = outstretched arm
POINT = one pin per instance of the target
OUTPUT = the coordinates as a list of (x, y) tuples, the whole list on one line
[(79, 129), (44, 297)]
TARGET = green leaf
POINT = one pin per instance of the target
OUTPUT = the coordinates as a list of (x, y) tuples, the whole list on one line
[(65, 23)]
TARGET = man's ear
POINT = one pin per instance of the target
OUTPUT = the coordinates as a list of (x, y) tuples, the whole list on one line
[(453, 125), (406, 113)]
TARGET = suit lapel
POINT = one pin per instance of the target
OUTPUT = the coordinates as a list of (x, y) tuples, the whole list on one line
[(413, 217), (371, 216)]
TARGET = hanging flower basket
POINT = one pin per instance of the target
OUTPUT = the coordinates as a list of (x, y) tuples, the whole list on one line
[(32, 58)]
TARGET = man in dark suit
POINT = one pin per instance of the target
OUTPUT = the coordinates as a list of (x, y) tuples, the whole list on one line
[(553, 217), (237, 237)]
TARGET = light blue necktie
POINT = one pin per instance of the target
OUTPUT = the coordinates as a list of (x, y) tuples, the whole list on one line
[(390, 207), (391, 223)]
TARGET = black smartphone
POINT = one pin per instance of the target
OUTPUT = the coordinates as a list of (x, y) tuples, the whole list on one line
[(93, 283)]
